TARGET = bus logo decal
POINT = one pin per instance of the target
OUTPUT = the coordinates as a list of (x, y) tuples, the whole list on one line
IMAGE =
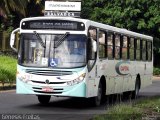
[(47, 82), (122, 68)]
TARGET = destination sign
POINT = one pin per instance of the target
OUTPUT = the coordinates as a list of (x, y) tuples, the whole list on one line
[(62, 14), (53, 25), (63, 6)]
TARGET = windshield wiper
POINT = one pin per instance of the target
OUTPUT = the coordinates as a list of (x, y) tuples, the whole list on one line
[(40, 39), (60, 40)]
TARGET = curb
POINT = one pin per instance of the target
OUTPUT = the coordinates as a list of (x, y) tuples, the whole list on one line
[(7, 88)]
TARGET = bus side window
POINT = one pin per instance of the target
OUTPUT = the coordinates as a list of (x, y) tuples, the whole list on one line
[(131, 48), (102, 45), (91, 53), (138, 50), (93, 33), (124, 47), (144, 50), (149, 50), (110, 45), (117, 46), (93, 37)]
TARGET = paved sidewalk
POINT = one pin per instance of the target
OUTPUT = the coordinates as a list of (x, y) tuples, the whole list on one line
[(156, 78)]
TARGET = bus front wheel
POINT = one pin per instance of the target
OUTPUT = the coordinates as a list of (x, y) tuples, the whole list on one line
[(96, 101), (44, 99)]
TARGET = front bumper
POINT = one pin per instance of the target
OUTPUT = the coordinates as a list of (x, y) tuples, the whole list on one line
[(78, 90)]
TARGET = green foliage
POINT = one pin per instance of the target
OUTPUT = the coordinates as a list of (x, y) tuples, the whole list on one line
[(141, 16), (152, 103), (12, 11), (10, 29), (142, 109), (2, 26), (156, 71), (7, 25), (7, 69), (7, 6), (122, 112)]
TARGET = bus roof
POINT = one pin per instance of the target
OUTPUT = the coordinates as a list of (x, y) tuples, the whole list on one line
[(95, 24)]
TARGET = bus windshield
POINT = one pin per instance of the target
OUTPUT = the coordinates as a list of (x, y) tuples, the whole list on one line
[(60, 51)]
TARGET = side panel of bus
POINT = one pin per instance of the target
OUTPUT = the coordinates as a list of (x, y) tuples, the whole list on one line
[(121, 74)]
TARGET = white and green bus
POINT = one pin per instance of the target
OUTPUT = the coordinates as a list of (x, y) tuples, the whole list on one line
[(63, 56)]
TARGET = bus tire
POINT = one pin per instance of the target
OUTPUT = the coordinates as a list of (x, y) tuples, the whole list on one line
[(44, 99), (135, 93), (97, 100)]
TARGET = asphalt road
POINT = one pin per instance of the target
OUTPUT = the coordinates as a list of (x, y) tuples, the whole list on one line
[(27, 106)]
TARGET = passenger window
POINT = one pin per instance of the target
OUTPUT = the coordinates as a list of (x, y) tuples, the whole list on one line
[(149, 50), (93, 33), (131, 49), (144, 52), (110, 45), (93, 36), (117, 46), (91, 53), (124, 47), (138, 49), (102, 45)]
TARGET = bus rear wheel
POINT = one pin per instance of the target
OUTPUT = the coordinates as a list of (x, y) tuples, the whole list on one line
[(44, 99), (135, 93)]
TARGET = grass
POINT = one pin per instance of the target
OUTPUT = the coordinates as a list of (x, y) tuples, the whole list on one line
[(156, 71), (143, 109), (7, 69)]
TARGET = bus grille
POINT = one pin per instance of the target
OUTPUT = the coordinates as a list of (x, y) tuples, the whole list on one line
[(37, 88), (41, 82), (49, 72)]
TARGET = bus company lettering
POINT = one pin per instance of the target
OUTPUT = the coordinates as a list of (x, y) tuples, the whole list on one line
[(60, 5), (60, 14), (48, 23), (65, 24), (63, 6), (59, 24), (122, 68)]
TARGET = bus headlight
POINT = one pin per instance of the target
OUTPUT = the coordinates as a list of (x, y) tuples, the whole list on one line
[(77, 80), (23, 76)]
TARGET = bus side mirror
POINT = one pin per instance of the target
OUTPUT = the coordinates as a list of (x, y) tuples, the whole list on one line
[(12, 38)]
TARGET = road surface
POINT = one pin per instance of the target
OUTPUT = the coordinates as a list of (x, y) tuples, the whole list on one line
[(28, 107)]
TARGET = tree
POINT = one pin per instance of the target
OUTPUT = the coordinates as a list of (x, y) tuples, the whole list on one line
[(12, 11), (6, 6), (141, 16), (35, 8)]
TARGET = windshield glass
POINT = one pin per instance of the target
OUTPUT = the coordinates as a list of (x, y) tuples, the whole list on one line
[(60, 51)]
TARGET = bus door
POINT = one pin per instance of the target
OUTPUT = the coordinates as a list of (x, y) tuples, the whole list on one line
[(91, 61)]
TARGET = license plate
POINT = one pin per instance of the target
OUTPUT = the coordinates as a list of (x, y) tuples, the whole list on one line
[(47, 89)]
